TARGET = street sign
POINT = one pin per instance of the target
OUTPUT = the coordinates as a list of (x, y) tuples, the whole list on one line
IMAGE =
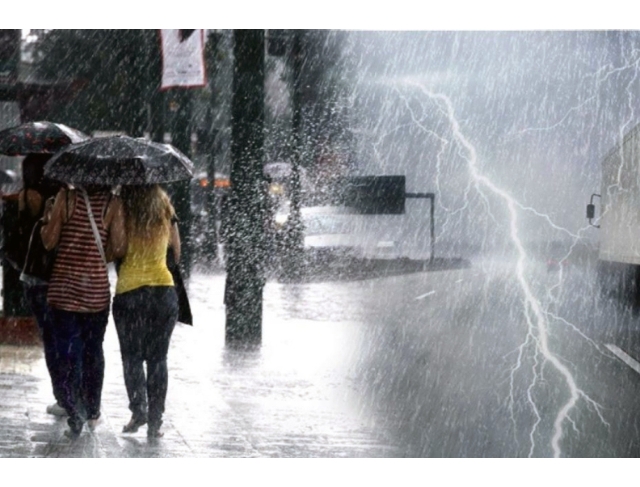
[(182, 58), (374, 195)]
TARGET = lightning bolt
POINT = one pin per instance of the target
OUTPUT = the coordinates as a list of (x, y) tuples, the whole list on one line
[(536, 316)]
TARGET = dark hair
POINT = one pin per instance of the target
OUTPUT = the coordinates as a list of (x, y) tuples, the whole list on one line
[(33, 170)]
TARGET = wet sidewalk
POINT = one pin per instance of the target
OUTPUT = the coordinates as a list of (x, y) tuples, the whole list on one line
[(295, 396)]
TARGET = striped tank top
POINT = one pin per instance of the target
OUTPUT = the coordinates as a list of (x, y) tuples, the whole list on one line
[(79, 281)]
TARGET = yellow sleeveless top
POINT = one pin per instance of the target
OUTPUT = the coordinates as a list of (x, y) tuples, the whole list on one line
[(145, 264)]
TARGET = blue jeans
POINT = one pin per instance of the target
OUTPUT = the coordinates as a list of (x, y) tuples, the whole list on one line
[(78, 341), (145, 318), (36, 296)]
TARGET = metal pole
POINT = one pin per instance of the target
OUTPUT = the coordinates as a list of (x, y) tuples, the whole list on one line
[(156, 107), (293, 254), (210, 251), (181, 191), (135, 62), (211, 240), (433, 228)]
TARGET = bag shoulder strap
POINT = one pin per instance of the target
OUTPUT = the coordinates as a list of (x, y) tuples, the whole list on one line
[(94, 227), (68, 192)]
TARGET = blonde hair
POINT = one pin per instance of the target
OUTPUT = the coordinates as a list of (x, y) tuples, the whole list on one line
[(148, 211)]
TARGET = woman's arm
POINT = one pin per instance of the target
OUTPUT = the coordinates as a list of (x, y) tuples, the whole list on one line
[(33, 201), (115, 224), (53, 219), (174, 241)]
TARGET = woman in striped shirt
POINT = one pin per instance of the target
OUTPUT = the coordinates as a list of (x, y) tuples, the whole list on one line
[(79, 293)]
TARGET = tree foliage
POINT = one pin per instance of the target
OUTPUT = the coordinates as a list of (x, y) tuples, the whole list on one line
[(115, 72)]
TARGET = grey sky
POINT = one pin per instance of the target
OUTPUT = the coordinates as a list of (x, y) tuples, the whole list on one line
[(540, 109)]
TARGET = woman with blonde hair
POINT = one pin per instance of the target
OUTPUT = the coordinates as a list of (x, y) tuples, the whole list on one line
[(145, 307)]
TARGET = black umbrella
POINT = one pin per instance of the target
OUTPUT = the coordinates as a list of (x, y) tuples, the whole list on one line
[(38, 138), (119, 160)]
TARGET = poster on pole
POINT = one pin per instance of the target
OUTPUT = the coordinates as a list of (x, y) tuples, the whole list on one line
[(182, 58)]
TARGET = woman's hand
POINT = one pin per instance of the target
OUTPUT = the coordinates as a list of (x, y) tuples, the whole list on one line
[(48, 210), (53, 220), (174, 241)]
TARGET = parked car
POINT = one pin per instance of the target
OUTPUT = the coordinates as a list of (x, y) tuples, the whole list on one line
[(329, 235), (332, 236)]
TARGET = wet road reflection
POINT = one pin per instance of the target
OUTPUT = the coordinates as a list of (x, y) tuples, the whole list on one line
[(433, 364)]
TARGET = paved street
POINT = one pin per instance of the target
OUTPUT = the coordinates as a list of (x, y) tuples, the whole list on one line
[(288, 399), (428, 364)]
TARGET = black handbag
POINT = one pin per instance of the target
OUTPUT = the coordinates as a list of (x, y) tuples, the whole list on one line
[(38, 261), (184, 308)]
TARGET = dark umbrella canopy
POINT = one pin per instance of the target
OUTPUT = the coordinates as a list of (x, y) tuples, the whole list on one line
[(38, 138), (7, 176), (119, 160)]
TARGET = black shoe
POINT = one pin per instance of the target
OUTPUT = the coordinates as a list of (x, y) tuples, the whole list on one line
[(133, 425), (153, 430), (75, 428), (72, 434)]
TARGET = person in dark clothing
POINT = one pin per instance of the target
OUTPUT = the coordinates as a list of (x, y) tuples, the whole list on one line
[(32, 199), (79, 293), (145, 308)]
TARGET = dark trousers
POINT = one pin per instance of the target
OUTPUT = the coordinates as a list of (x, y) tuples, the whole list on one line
[(78, 340), (145, 318), (36, 296)]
